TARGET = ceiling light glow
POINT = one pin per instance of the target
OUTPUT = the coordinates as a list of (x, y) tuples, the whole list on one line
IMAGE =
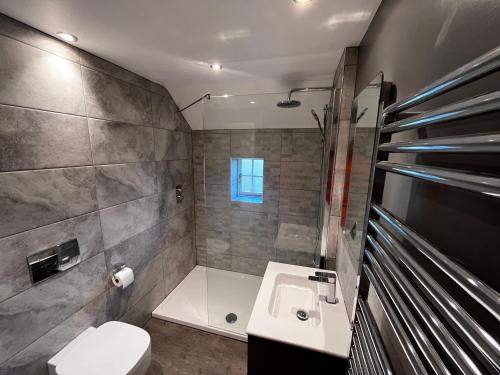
[(252, 102), (301, 1), (67, 37), (216, 66)]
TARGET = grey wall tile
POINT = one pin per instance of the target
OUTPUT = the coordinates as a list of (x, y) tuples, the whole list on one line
[(217, 145), (34, 198), (146, 277), (101, 65), (217, 196), (300, 175), (183, 145), (135, 251), (298, 202), (33, 359), (248, 265), (179, 259), (299, 258), (172, 173), (14, 249), (140, 313), (165, 145), (31, 139), (32, 313), (32, 78), (128, 219), (165, 112), (266, 145), (119, 183), (217, 171), (217, 219), (302, 146), (26, 34), (117, 142), (112, 99), (169, 206), (269, 204), (173, 229)]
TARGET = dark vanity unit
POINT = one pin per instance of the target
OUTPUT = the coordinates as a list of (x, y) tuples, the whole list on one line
[(272, 357)]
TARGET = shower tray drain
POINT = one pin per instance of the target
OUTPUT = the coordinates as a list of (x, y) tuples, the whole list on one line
[(231, 318)]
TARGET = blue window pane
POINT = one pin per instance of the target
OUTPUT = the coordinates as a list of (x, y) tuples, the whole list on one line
[(258, 185), (246, 167), (246, 185), (258, 167)]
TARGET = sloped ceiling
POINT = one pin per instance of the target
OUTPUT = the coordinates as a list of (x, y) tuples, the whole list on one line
[(263, 45)]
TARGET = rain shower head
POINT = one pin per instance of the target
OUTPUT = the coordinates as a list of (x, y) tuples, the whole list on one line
[(288, 103), (291, 103)]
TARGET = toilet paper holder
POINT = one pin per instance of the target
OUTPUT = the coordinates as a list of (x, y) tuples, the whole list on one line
[(117, 268)]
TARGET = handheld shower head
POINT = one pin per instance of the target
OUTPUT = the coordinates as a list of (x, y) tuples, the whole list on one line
[(315, 115)]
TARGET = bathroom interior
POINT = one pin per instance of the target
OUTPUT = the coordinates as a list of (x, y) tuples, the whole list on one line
[(249, 187)]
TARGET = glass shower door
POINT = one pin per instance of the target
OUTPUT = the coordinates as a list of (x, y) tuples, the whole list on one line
[(259, 180)]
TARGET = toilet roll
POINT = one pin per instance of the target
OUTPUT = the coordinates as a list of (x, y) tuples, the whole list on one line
[(123, 278)]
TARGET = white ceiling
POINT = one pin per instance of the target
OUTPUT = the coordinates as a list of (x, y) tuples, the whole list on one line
[(263, 45)]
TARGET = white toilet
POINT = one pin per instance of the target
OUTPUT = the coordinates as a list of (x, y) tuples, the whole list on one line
[(115, 348)]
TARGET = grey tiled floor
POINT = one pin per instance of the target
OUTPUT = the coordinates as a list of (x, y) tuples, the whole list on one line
[(177, 349)]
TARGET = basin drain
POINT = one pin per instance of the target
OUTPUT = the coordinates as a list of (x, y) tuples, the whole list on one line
[(302, 315), (231, 318)]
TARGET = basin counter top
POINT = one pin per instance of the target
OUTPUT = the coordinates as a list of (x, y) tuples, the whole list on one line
[(285, 289)]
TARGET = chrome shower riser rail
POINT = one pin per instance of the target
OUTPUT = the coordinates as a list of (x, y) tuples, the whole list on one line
[(461, 361), (478, 144), (470, 283), (471, 107), (489, 186), (483, 345), (485, 64)]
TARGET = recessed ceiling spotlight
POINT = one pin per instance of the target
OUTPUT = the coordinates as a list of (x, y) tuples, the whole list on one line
[(67, 37), (301, 1), (216, 66), (252, 102)]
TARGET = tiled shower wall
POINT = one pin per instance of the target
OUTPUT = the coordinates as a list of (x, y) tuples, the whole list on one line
[(89, 151), (240, 236)]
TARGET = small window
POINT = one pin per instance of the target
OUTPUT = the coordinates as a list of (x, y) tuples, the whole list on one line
[(247, 180)]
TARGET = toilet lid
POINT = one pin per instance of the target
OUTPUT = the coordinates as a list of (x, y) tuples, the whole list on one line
[(114, 349)]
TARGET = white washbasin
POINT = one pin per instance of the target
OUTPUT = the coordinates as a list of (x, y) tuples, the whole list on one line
[(293, 293), (286, 289)]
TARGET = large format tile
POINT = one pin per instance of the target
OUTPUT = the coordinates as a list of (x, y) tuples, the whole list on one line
[(173, 229), (248, 265), (26, 34), (172, 173), (112, 99), (165, 144), (32, 313), (117, 142), (135, 251), (33, 359), (169, 206), (183, 145), (217, 171), (103, 66), (146, 277), (14, 249), (179, 259), (259, 144), (140, 312), (38, 79), (119, 183), (31, 139), (300, 175), (165, 112), (128, 219), (31, 199)]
